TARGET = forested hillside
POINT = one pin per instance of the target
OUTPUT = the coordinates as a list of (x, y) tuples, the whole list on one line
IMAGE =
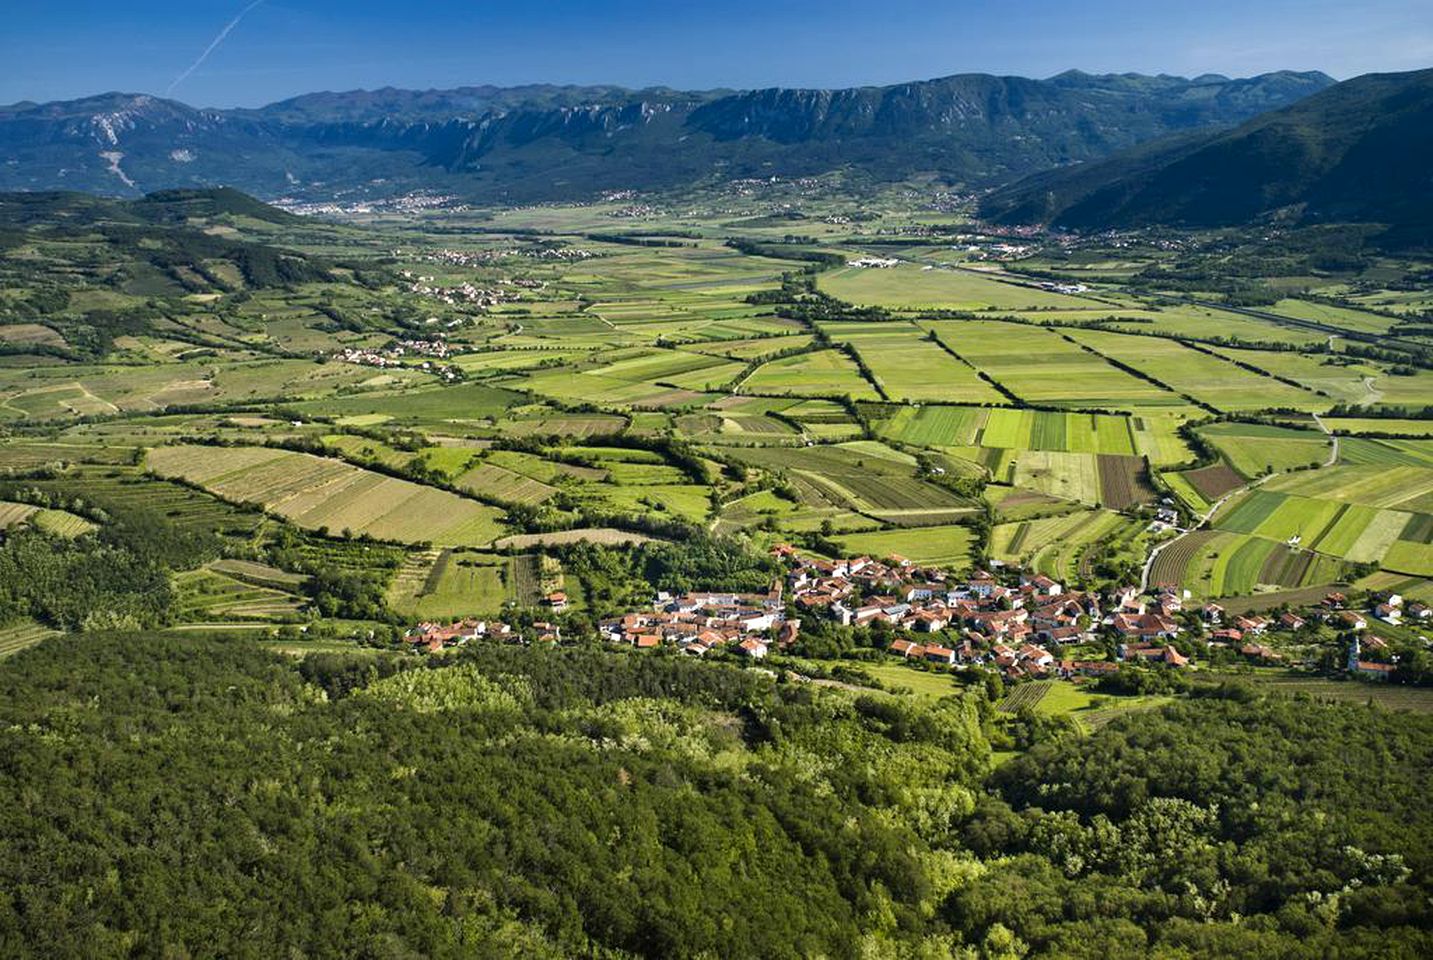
[(1357, 152), (205, 798)]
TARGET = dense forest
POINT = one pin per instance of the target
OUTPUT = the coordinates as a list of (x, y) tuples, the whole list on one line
[(205, 797)]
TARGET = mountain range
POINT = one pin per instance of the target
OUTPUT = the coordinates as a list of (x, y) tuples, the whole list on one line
[(548, 142), (1360, 151)]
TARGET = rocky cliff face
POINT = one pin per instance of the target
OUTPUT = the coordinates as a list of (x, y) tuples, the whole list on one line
[(536, 142)]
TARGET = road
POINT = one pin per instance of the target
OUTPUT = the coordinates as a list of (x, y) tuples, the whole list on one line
[(1333, 445)]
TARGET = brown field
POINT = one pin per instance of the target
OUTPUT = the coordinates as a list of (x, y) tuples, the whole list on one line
[(1215, 480), (1123, 481), (1173, 561), (601, 535)]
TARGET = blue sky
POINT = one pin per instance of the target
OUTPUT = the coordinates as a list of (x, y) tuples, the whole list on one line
[(56, 49)]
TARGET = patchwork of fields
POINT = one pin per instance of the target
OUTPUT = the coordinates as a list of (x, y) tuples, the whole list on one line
[(888, 420)]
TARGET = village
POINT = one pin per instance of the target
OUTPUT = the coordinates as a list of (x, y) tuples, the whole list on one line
[(1022, 625)]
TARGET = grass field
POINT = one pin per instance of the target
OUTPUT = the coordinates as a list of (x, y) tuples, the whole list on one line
[(449, 584), (910, 286), (1210, 379), (821, 373), (909, 366), (923, 684), (1042, 366)]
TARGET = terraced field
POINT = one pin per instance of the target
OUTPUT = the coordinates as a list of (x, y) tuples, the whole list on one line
[(323, 494), (15, 514), (211, 594)]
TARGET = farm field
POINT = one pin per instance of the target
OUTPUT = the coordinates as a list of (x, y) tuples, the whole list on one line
[(1071, 476), (1202, 323), (1337, 380), (943, 546), (590, 535), (860, 477), (1334, 316), (909, 286), (1007, 428), (1215, 563), (1207, 378), (324, 494), (890, 428), (1388, 486), (1043, 366), (1386, 452), (821, 373), (1060, 546), (450, 584), (1254, 448), (1356, 425), (907, 366), (1291, 683)]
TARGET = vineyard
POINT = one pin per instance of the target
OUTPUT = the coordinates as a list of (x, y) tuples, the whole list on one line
[(1026, 696), (19, 636)]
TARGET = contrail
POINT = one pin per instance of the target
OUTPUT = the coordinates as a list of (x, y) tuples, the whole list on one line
[(210, 49)]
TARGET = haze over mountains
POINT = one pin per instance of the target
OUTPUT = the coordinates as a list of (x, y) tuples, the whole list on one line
[(547, 142), (1361, 151)]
